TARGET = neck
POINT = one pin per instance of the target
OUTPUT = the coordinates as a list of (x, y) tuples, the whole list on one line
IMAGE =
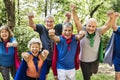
[(35, 54), (5, 40)]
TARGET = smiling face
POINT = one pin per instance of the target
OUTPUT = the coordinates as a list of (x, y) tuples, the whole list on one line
[(35, 48), (4, 34), (67, 30), (49, 22), (91, 26)]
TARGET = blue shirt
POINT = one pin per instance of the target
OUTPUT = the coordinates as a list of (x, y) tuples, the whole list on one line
[(7, 58), (117, 43), (66, 53), (116, 51)]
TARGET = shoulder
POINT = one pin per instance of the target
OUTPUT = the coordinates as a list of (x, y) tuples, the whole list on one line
[(12, 39), (99, 31), (39, 26), (58, 29), (118, 30), (58, 26)]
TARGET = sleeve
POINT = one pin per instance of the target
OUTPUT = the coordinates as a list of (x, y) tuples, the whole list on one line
[(58, 29), (13, 39), (39, 28), (99, 31), (118, 30), (108, 57)]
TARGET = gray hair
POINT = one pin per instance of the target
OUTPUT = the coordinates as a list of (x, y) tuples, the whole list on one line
[(91, 20), (49, 16), (35, 40), (67, 24), (8, 29)]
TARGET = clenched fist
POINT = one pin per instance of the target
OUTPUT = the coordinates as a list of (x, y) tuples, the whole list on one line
[(51, 32)]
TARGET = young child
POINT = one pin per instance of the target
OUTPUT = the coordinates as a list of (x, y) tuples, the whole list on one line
[(64, 61), (34, 61), (7, 51)]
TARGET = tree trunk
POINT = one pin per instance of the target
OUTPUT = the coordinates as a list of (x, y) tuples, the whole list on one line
[(45, 8), (18, 5), (50, 6), (10, 8)]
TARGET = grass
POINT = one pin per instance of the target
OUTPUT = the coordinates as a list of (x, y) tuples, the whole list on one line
[(98, 76), (105, 73)]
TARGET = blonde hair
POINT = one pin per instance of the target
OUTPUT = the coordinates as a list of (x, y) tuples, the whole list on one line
[(35, 40), (8, 29)]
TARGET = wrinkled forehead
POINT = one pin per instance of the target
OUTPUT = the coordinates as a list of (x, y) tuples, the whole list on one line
[(35, 43), (67, 28), (92, 23), (49, 17), (67, 25)]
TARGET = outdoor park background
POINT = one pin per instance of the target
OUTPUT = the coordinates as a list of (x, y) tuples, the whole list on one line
[(105, 73), (14, 13)]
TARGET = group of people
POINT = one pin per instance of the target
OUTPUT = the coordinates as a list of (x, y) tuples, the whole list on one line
[(58, 48)]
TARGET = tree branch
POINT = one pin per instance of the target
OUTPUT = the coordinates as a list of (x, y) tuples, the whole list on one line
[(95, 9)]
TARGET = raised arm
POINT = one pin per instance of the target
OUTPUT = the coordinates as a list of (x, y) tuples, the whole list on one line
[(108, 24), (80, 35), (114, 24), (45, 54), (25, 56), (53, 36), (75, 17), (13, 43), (68, 16), (31, 22)]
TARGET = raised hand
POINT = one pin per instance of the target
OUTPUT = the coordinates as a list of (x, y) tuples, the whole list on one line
[(110, 13), (51, 32), (68, 15), (25, 56), (30, 15), (73, 7)]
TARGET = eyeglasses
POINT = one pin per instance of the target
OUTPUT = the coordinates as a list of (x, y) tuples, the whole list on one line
[(49, 21)]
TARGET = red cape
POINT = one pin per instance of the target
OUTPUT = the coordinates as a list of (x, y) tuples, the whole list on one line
[(54, 59)]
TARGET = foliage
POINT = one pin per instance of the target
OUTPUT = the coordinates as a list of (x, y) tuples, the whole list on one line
[(98, 76), (3, 15), (23, 35), (56, 8), (115, 7)]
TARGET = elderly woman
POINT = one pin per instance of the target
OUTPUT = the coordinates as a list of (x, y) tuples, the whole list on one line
[(90, 44), (7, 51)]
